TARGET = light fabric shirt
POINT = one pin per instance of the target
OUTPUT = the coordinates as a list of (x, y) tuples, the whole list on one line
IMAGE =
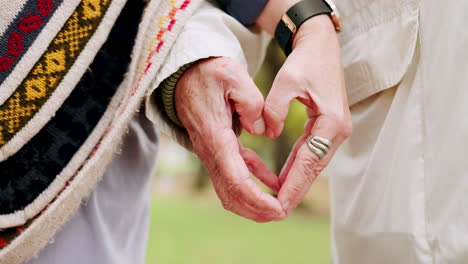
[(378, 43), (111, 227), (399, 184)]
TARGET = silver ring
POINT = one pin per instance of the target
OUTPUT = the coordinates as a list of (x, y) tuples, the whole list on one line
[(319, 146)]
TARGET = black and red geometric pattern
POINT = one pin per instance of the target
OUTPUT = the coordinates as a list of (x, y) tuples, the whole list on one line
[(23, 31), (35, 166), (49, 71)]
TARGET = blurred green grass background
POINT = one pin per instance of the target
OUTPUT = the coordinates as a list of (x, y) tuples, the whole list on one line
[(187, 230)]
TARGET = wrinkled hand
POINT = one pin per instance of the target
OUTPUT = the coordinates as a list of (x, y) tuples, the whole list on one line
[(206, 97), (312, 74)]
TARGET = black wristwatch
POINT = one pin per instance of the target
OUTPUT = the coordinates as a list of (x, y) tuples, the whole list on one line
[(298, 14)]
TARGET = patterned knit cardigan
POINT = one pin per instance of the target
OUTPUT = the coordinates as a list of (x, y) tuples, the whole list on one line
[(45, 48)]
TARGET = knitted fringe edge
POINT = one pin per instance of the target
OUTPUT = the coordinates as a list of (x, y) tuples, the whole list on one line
[(57, 213), (69, 82), (59, 183)]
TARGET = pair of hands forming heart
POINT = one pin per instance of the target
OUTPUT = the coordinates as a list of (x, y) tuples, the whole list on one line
[(210, 92)]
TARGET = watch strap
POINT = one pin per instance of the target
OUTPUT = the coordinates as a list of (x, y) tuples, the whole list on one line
[(295, 17)]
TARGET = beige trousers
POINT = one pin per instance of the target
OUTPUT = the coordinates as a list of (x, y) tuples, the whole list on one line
[(399, 185)]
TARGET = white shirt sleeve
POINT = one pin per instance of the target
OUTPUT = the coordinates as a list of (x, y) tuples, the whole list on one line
[(378, 43), (209, 33)]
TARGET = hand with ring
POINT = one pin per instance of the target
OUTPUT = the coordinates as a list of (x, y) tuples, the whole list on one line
[(313, 75)]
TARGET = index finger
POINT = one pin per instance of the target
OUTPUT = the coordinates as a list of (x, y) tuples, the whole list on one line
[(307, 166), (232, 167), (259, 169)]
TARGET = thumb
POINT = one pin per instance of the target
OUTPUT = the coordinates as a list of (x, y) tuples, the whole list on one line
[(277, 104), (248, 102)]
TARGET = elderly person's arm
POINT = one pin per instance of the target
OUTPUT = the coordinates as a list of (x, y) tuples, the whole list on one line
[(313, 75)]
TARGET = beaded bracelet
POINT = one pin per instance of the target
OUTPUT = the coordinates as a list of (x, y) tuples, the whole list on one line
[(168, 89)]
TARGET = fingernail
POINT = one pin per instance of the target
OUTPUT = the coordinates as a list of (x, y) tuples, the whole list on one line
[(286, 207), (269, 133), (259, 126)]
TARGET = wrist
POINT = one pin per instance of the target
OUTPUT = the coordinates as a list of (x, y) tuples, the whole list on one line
[(310, 16), (317, 26)]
